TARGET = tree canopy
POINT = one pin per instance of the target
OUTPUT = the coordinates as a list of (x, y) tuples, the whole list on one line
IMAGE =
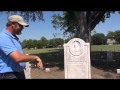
[(79, 23), (98, 39), (27, 15)]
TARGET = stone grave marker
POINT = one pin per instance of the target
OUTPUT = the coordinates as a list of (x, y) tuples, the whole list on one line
[(77, 59), (27, 71)]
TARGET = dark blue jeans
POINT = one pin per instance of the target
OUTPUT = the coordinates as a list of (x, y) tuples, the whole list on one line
[(12, 75)]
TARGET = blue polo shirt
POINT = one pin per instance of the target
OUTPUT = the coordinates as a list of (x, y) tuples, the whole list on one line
[(8, 44)]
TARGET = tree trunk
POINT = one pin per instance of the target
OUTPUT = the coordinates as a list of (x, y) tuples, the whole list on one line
[(81, 17)]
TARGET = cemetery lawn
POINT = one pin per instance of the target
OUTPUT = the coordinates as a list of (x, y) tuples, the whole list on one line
[(54, 59), (114, 48)]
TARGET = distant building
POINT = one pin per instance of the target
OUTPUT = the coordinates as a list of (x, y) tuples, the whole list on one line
[(111, 41)]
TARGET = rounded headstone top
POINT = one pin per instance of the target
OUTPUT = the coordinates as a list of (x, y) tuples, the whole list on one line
[(76, 46)]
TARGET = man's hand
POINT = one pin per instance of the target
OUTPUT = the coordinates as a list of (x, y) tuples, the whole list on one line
[(39, 63)]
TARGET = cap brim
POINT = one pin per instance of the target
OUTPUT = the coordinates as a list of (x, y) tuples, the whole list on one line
[(24, 24)]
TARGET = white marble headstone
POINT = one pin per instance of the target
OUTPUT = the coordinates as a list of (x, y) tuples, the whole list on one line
[(27, 71), (77, 59)]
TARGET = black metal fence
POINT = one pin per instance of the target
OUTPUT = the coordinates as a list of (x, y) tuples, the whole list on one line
[(106, 60), (105, 56)]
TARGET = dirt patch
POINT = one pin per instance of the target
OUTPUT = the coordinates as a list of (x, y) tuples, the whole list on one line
[(56, 73), (101, 74)]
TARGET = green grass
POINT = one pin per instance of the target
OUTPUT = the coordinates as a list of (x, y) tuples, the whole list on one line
[(114, 48), (37, 51)]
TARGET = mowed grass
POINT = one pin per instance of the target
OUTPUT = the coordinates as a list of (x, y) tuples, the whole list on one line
[(113, 48), (37, 51)]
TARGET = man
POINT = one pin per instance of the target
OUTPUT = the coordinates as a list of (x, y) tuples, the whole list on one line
[(12, 59)]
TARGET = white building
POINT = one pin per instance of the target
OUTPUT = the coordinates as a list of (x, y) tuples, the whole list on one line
[(111, 41)]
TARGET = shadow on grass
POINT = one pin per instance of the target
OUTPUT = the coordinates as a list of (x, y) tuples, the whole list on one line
[(52, 59), (99, 59)]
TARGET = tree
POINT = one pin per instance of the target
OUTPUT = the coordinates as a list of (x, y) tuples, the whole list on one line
[(114, 35), (43, 42), (27, 15), (117, 36), (80, 23), (111, 34), (98, 39), (24, 43)]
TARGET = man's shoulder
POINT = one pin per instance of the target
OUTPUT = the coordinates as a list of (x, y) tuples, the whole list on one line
[(4, 37), (4, 34)]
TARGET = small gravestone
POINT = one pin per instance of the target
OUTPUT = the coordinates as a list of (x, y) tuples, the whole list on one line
[(118, 71), (77, 59), (109, 56), (27, 71)]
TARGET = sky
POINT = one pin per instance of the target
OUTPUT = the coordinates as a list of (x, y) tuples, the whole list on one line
[(38, 29), (110, 24)]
